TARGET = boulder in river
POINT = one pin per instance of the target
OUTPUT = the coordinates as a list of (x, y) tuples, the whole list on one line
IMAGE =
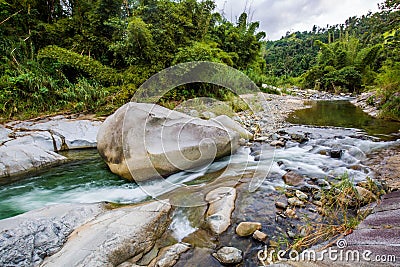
[(144, 141)]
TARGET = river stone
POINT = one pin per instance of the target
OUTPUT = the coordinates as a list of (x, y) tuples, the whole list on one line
[(294, 201), (293, 178), (300, 195), (159, 141), (260, 236), (25, 240), (221, 204), (170, 255), (114, 236), (233, 126), (228, 255), (247, 228)]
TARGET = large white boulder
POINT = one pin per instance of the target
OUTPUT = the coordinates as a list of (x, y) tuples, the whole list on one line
[(144, 141)]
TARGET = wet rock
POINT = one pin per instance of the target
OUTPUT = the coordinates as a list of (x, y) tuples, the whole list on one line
[(277, 143), (300, 195), (293, 178), (280, 205), (159, 141), (170, 255), (294, 201), (261, 139), (260, 236), (336, 153), (290, 234), (247, 228), (221, 204), (298, 138), (114, 236), (228, 255)]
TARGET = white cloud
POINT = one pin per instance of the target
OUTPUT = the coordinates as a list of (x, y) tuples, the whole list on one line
[(279, 16)]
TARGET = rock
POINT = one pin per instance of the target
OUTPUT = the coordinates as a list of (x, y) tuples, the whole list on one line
[(159, 141), (114, 236), (73, 133), (30, 145), (277, 143), (317, 203), (290, 234), (4, 134), (247, 228), (291, 213), (336, 153), (300, 195), (170, 255), (261, 139), (221, 204), (298, 138), (294, 201), (293, 178), (233, 126), (260, 236), (25, 240), (228, 255), (280, 205), (18, 159), (366, 195)]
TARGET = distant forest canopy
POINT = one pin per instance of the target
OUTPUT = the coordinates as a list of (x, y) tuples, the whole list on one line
[(91, 55)]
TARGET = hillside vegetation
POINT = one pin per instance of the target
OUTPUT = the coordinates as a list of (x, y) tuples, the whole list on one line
[(92, 55)]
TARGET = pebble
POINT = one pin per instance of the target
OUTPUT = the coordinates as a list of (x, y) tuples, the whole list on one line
[(294, 201), (291, 213), (300, 195), (247, 228), (280, 205), (277, 143), (260, 236)]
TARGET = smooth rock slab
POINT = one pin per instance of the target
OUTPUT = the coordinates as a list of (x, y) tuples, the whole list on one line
[(114, 237), (25, 240)]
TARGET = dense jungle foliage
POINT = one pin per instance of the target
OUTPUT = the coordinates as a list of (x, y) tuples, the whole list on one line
[(361, 54), (91, 55)]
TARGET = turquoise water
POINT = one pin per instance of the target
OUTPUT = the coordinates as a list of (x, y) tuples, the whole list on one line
[(77, 181), (344, 114)]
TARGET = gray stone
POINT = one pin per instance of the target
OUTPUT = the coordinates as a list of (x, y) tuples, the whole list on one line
[(25, 240), (159, 141), (170, 255), (75, 134), (300, 195), (221, 205), (228, 255), (114, 237), (294, 201), (19, 159), (4, 132)]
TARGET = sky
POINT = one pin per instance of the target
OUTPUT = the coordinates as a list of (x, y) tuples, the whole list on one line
[(277, 17)]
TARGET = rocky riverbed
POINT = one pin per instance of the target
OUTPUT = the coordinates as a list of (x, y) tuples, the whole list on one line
[(233, 222)]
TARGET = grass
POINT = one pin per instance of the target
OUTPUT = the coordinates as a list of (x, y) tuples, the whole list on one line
[(340, 217)]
